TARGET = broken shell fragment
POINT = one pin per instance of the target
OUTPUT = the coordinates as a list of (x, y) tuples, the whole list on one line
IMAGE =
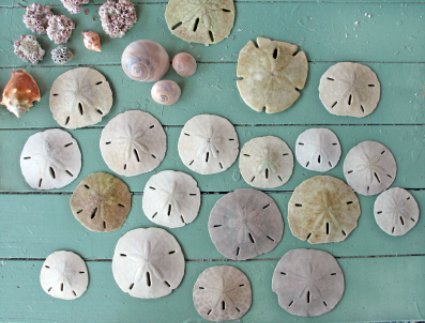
[(396, 211), (166, 92), (64, 275), (28, 49), (133, 143), (50, 159), (349, 89), (323, 209), (222, 293), (101, 202), (80, 97), (266, 162), (59, 29), (171, 199), (117, 17), (61, 55), (20, 93), (36, 17), (74, 6), (91, 40), (184, 64), (271, 74), (308, 282), (245, 224), (370, 168), (148, 263)]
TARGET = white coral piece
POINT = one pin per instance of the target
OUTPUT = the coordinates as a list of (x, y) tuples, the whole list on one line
[(36, 17), (74, 6), (117, 17), (60, 29), (28, 49)]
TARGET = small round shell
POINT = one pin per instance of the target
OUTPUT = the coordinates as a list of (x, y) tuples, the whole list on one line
[(396, 211), (166, 92), (36, 17), (184, 64), (64, 275), (117, 17), (91, 40), (59, 29), (28, 49), (61, 55), (74, 6)]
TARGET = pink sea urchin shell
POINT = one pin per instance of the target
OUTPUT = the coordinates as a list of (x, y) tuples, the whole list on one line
[(74, 6), (36, 17), (184, 64), (166, 92), (117, 17), (60, 29), (28, 49), (91, 41)]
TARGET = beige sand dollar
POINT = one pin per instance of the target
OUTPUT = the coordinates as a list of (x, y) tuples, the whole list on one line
[(323, 209), (271, 74), (200, 21)]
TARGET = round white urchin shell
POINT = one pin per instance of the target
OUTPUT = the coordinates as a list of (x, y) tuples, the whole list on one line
[(64, 275), (349, 89), (222, 293), (148, 263), (370, 168), (28, 49), (117, 17), (61, 55), (50, 159), (80, 97), (36, 17), (208, 144), (266, 162), (166, 92), (396, 211), (244, 224), (308, 282), (171, 199), (184, 64), (133, 143), (318, 149), (59, 29)]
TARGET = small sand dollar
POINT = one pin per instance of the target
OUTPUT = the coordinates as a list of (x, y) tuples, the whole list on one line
[(64, 275), (80, 97), (171, 199), (271, 74), (323, 209), (133, 143), (148, 263), (208, 144), (222, 293), (101, 202), (244, 224), (349, 89), (50, 159), (266, 162), (308, 282), (396, 211), (200, 21), (318, 149), (370, 168)]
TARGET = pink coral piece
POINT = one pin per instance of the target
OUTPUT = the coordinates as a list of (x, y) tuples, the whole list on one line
[(36, 17), (91, 41), (117, 17), (60, 29), (74, 6)]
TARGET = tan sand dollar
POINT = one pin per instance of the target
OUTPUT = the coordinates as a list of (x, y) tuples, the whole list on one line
[(271, 74), (323, 209)]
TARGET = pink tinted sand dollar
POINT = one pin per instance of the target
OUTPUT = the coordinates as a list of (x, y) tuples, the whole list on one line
[(184, 64)]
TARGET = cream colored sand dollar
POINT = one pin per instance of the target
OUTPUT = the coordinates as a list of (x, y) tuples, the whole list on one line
[(133, 143), (323, 209), (308, 282), (148, 263), (208, 144), (200, 21), (101, 202), (370, 168), (318, 149), (171, 199), (396, 211), (244, 224), (266, 162), (64, 275), (271, 74), (80, 97), (222, 293), (349, 89), (50, 159)]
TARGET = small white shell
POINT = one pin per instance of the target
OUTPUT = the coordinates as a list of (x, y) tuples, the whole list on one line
[(166, 92), (50, 159), (396, 211), (64, 275), (184, 64)]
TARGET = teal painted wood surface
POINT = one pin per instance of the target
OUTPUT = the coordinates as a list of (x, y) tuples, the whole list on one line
[(384, 275)]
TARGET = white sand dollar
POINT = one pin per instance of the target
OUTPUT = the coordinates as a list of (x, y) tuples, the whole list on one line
[(271, 74), (64, 275), (200, 21), (80, 97), (370, 168), (349, 89), (208, 144), (50, 159), (318, 149), (396, 211), (171, 199), (266, 162), (323, 209), (148, 263), (308, 282), (244, 224), (133, 143), (222, 293)]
